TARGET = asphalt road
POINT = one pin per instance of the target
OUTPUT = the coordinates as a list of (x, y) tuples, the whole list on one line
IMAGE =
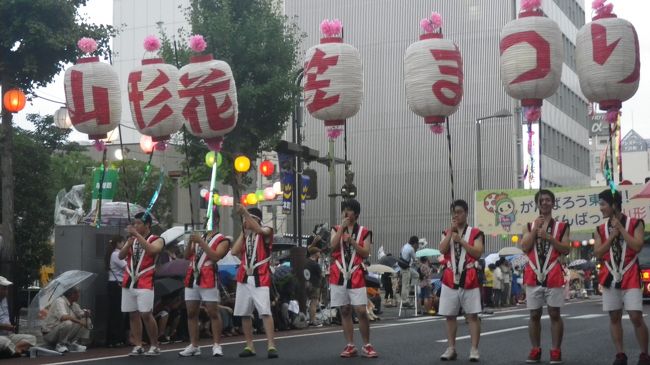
[(412, 340)]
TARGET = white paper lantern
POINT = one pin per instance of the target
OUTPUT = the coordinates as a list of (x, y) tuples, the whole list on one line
[(62, 119), (92, 94), (608, 62), (208, 98), (433, 78), (153, 98), (531, 59)]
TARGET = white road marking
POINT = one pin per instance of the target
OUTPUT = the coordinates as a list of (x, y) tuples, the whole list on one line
[(487, 333), (589, 316), (511, 316)]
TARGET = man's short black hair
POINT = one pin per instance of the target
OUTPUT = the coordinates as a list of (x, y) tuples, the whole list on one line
[(544, 192), (460, 203), (614, 200), (144, 217), (414, 240), (255, 212), (351, 204)]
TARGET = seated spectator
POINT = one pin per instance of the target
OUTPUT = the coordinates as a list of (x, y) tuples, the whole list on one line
[(67, 324), (426, 290), (15, 345), (313, 284), (167, 312)]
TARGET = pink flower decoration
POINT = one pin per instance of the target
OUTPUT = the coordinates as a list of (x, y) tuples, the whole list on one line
[(612, 116), (99, 145), (197, 43), (336, 26), (214, 144), (529, 5), (334, 132), (426, 26), (325, 27), (437, 128), (160, 146), (605, 10), (533, 114), (87, 45), (597, 4), (331, 28), (436, 20), (151, 43)]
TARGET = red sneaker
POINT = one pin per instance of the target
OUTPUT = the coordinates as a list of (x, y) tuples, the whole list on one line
[(369, 351), (349, 351), (556, 356), (534, 356)]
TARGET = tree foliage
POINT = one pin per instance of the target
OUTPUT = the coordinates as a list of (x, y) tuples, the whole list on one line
[(261, 46)]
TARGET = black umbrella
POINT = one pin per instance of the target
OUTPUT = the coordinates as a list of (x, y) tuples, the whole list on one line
[(389, 261), (166, 286), (174, 268)]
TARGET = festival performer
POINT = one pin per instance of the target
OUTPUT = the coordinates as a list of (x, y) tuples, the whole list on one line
[(254, 278), (201, 282), (461, 246), (618, 243), (544, 241), (141, 250), (350, 244)]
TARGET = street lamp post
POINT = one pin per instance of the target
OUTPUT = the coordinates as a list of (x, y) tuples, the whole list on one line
[(503, 113)]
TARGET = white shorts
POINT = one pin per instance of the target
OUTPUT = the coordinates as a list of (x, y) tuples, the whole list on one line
[(137, 300), (340, 296), (202, 294), (538, 296), (451, 300), (249, 297), (617, 299)]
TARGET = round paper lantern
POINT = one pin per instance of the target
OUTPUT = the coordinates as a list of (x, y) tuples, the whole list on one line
[(62, 119), (242, 164), (592, 241), (269, 193), (14, 100), (146, 144), (92, 94), (277, 188), (208, 96), (267, 168), (531, 59), (204, 193), (216, 199), (515, 239), (223, 200), (242, 200), (585, 243), (251, 199), (333, 79), (260, 195), (433, 75), (608, 60), (576, 244)]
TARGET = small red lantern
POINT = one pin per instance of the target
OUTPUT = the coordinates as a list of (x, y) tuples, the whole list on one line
[(576, 244), (242, 200), (14, 100), (267, 168), (146, 144)]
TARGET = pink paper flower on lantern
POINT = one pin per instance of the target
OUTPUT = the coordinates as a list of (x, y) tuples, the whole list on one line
[(612, 116), (331, 28), (151, 43), (99, 145), (530, 5), (532, 114), (160, 146), (197, 43), (437, 128), (87, 45), (436, 20), (597, 4)]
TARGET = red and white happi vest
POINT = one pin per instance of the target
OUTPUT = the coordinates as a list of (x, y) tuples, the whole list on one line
[(543, 268), (460, 270), (140, 266), (255, 260), (201, 271), (347, 267), (620, 265)]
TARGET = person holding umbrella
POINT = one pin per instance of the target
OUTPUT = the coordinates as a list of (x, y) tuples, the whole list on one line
[(201, 285), (140, 251), (461, 246), (544, 241), (66, 323)]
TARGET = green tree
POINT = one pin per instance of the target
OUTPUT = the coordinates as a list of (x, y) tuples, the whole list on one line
[(49, 135), (261, 46), (37, 39)]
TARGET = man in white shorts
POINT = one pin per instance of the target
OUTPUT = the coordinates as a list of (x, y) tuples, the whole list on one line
[(140, 250), (254, 278), (201, 285), (350, 245), (618, 243), (544, 241), (461, 246)]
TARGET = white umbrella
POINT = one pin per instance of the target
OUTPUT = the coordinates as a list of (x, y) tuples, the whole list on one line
[(229, 259), (380, 269), (510, 250), (173, 234), (491, 258), (577, 262)]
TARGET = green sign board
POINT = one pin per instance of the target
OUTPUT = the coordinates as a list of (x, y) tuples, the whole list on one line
[(109, 187)]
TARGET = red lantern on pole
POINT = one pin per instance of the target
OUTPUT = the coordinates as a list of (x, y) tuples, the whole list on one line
[(14, 100), (208, 96), (333, 74), (608, 60), (153, 96), (267, 168), (146, 144), (531, 58), (92, 94), (576, 244), (433, 75)]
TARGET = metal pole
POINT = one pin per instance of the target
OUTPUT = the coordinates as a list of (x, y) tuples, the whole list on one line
[(332, 172), (295, 138), (478, 155)]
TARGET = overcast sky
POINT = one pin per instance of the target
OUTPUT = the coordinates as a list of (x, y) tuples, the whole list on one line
[(635, 114)]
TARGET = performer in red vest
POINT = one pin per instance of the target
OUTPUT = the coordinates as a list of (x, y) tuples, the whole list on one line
[(201, 286), (141, 251), (350, 245), (618, 243), (461, 246), (254, 278), (544, 241)]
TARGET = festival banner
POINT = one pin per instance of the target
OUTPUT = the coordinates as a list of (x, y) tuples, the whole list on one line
[(109, 187), (507, 211)]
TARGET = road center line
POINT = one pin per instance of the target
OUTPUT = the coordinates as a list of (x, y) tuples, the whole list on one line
[(487, 333)]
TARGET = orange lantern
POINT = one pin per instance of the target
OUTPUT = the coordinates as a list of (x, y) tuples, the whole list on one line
[(146, 144), (14, 100), (267, 168)]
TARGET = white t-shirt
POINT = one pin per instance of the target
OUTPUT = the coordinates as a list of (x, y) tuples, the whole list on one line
[(117, 267), (498, 279)]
